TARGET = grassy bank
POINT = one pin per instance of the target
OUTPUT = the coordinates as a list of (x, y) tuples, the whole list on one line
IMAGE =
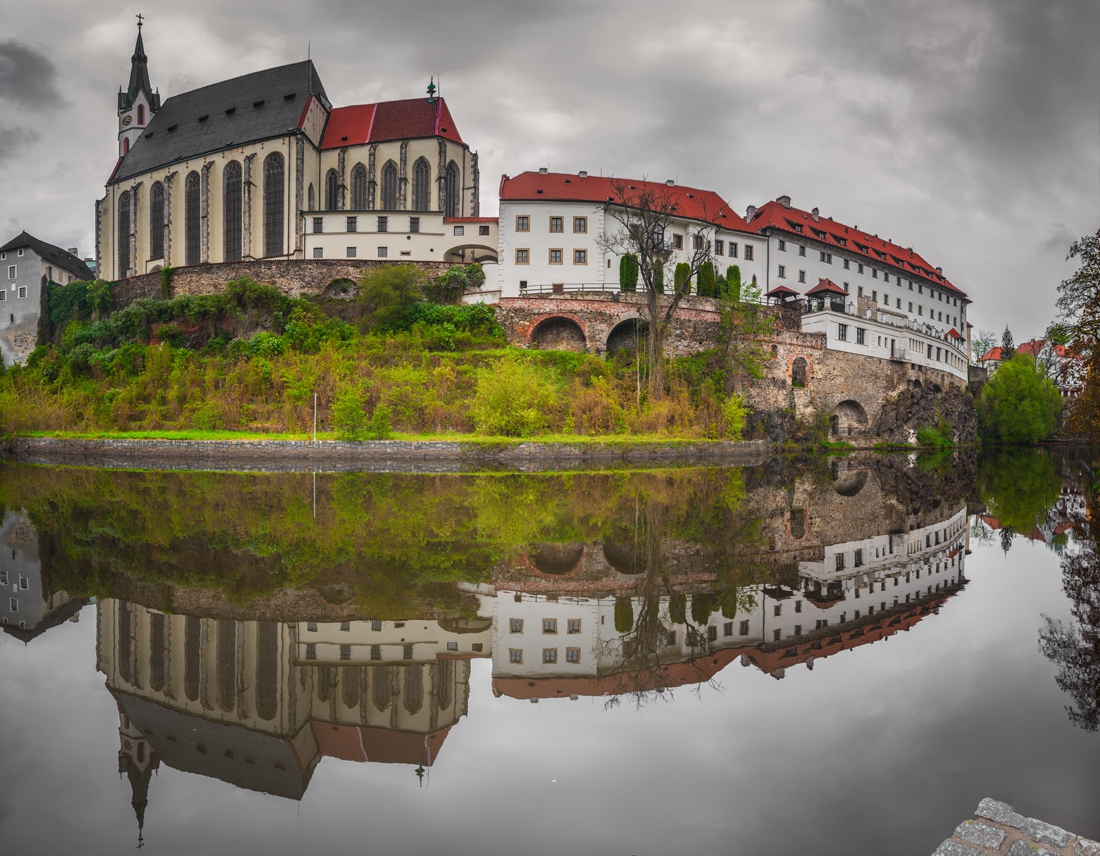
[(386, 364)]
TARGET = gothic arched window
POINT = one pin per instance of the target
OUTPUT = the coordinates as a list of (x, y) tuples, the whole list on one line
[(267, 670), (192, 641), (422, 185), (414, 688), (191, 215), (453, 207), (331, 191), (273, 204), (227, 664), (232, 195), (126, 145), (359, 188), (311, 198), (141, 114), (156, 652), (389, 186), (156, 221), (124, 234)]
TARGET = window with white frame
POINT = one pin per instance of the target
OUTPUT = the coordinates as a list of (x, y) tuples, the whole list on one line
[(842, 332), (802, 276), (801, 250), (860, 335), (782, 246), (782, 271), (733, 249), (11, 271), (719, 247), (748, 252), (827, 257)]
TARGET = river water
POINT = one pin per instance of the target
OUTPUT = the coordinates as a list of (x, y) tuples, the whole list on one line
[(830, 656)]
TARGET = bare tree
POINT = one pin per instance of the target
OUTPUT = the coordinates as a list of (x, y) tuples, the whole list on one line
[(984, 342), (645, 213)]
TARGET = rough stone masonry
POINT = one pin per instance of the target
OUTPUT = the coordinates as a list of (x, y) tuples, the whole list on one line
[(997, 829)]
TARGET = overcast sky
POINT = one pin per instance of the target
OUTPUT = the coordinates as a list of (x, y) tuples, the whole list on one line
[(969, 129)]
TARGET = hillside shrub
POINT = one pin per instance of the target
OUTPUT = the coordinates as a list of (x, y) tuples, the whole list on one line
[(348, 417), (1019, 404), (682, 279), (514, 398), (706, 286), (733, 282)]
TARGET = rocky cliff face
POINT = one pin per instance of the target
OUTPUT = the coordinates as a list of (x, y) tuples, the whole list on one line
[(903, 415)]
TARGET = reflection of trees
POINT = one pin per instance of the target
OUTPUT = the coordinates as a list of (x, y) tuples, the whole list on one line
[(1076, 649), (1019, 488), (647, 637)]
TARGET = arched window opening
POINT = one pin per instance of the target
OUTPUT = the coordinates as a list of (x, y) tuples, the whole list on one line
[(389, 186), (156, 652), (233, 197), (331, 191), (156, 221), (191, 215), (350, 691), (273, 204), (798, 372), (422, 185), (267, 671), (125, 643), (311, 200), (227, 664), (453, 207), (381, 693), (126, 146), (192, 635), (141, 114), (414, 688), (124, 234), (444, 682), (359, 188)]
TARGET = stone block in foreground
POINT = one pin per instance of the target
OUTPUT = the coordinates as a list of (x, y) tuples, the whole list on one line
[(997, 828)]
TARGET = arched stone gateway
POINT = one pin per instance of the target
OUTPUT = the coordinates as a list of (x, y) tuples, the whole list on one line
[(799, 372), (630, 333), (559, 333), (848, 417), (341, 289), (465, 253), (556, 559)]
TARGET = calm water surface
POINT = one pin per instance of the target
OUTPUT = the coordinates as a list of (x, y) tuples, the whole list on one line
[(830, 657)]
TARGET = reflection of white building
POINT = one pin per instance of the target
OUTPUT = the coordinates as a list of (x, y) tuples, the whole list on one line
[(27, 607), (547, 646)]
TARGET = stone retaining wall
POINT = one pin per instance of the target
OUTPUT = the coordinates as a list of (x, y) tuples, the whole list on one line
[(294, 277), (377, 455)]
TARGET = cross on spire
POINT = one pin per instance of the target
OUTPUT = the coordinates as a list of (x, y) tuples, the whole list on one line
[(140, 18)]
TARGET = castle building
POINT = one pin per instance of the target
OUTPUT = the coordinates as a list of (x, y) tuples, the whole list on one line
[(246, 168), (557, 233), (868, 295)]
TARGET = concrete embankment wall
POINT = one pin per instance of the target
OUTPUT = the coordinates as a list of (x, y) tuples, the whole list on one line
[(375, 455)]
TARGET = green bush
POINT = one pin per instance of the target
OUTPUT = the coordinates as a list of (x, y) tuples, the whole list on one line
[(706, 286), (659, 279), (628, 273), (734, 414), (733, 282), (387, 292), (677, 608), (702, 605), (348, 416), (381, 424), (624, 615), (682, 278), (513, 398), (1019, 404)]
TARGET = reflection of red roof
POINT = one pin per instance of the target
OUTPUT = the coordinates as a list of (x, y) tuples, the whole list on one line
[(689, 202), (991, 522), (826, 286), (410, 119), (846, 637), (378, 745), (658, 677), (778, 216)]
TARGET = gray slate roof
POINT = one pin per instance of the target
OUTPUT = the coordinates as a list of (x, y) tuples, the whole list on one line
[(248, 109), (54, 255)]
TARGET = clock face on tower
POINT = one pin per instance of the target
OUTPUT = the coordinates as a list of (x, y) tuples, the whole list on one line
[(126, 120)]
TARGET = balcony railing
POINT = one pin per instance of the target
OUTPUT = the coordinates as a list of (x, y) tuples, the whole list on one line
[(810, 307)]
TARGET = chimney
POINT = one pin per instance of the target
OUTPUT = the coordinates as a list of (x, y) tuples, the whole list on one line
[(583, 173), (74, 251), (785, 201), (671, 182), (750, 212), (939, 270), (543, 170), (815, 215)]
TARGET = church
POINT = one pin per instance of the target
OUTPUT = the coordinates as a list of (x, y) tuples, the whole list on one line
[(264, 167)]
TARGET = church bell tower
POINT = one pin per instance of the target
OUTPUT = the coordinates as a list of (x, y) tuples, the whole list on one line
[(138, 102)]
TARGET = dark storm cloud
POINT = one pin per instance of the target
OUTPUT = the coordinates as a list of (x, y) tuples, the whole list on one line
[(27, 77), (969, 130)]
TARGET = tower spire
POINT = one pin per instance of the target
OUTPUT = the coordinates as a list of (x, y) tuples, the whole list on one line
[(137, 102)]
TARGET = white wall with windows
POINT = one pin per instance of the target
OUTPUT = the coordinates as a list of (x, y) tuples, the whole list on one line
[(399, 236)]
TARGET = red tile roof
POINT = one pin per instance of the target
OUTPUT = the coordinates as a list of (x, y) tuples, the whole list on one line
[(953, 333), (378, 745), (781, 290), (826, 286), (690, 203), (993, 355), (411, 119), (776, 215)]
